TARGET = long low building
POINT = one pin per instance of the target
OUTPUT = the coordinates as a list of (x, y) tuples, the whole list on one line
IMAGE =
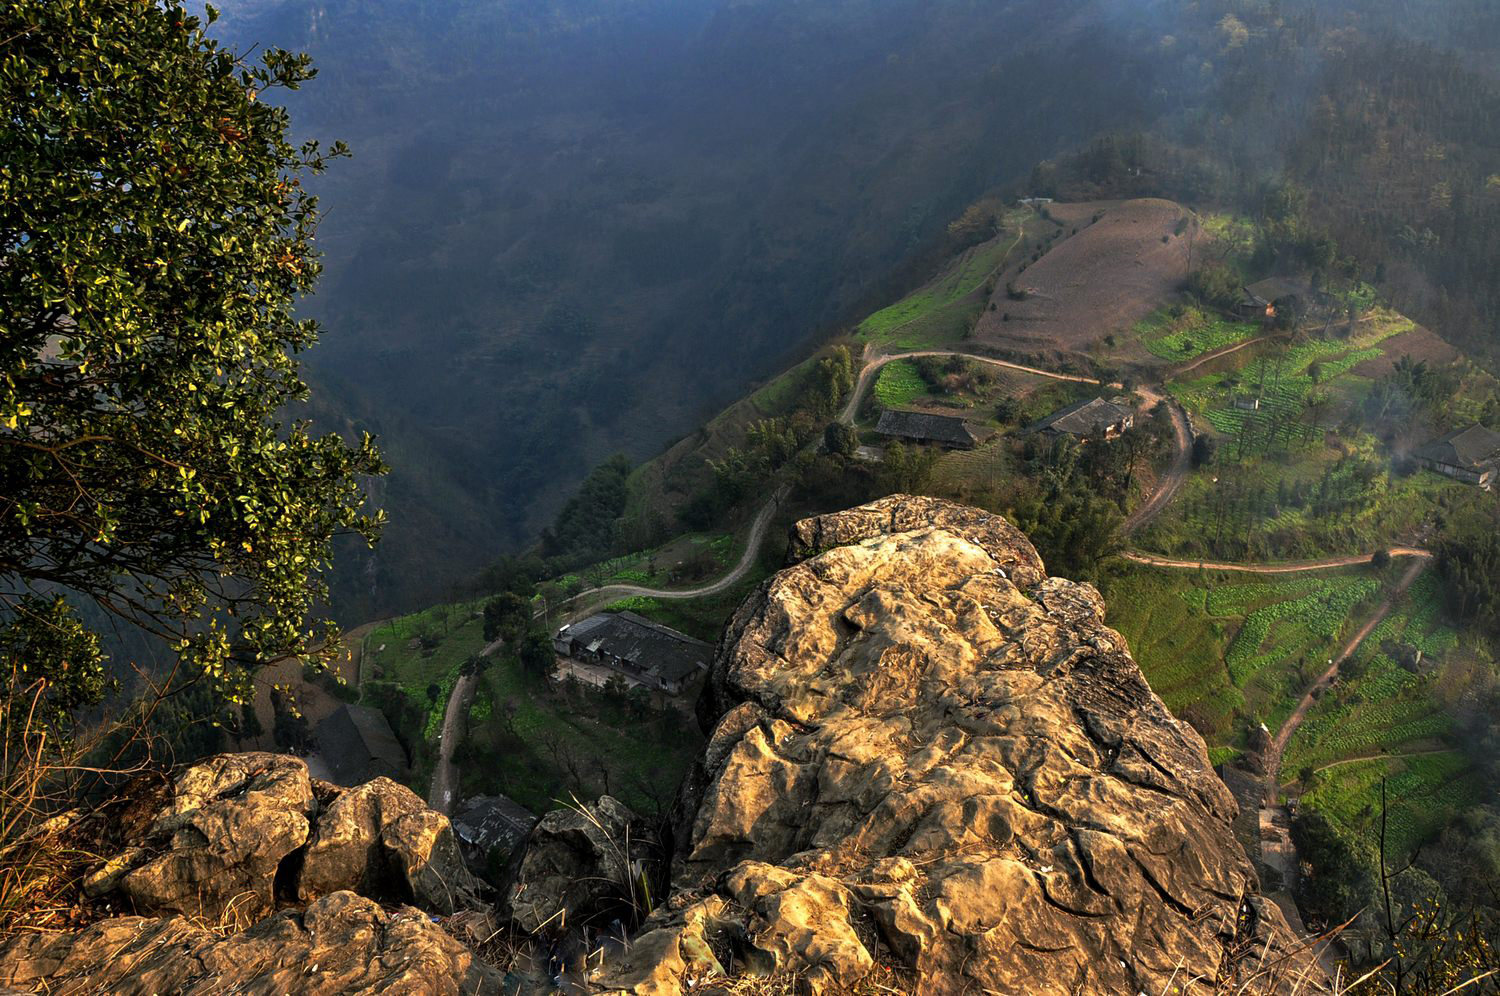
[(926, 427), (487, 825), (640, 650), (1088, 420), (1470, 455)]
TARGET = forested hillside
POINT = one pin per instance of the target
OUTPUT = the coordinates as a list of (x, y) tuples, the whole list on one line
[(572, 229)]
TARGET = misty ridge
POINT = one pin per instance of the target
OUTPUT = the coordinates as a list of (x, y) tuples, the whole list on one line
[(750, 496), (575, 229)]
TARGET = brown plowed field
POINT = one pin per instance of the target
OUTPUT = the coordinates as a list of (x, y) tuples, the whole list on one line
[(1419, 344), (1109, 276)]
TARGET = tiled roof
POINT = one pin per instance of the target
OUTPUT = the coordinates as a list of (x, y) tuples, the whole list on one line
[(1084, 418), (926, 427), (648, 645)]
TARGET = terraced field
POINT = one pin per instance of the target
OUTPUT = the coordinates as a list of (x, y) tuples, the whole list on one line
[(1227, 655), (1190, 335), (1282, 382), (942, 312), (1424, 792), (1382, 704)]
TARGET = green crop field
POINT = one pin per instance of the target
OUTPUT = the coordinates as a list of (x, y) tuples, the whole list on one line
[(899, 384), (1191, 335), (453, 635), (1225, 652), (1423, 793), (1380, 704), (1179, 647), (1283, 380)]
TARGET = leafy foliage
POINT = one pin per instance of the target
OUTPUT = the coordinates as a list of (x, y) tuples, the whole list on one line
[(1341, 884), (154, 236), (1471, 567), (585, 528)]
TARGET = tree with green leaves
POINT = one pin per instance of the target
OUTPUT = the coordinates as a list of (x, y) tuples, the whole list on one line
[(840, 439), (155, 235), (507, 616)]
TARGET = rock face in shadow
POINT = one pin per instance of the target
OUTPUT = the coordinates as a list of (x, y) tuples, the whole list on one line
[(577, 864), (926, 752)]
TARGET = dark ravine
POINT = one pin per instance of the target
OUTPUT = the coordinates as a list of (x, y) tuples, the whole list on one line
[(926, 756)]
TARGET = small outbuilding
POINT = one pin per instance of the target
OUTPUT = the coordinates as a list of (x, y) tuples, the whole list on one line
[(359, 744), (491, 824), (640, 650), (1470, 455), (1087, 421), (925, 427)]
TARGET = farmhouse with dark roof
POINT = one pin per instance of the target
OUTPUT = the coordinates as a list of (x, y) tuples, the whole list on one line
[(1088, 420), (923, 427), (644, 652), (359, 745), (1470, 455), (1260, 298)]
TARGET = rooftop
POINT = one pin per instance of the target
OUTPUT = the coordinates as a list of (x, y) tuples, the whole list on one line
[(949, 429), (1084, 418), (359, 744), (485, 822), (1273, 289), (648, 645), (1473, 447)]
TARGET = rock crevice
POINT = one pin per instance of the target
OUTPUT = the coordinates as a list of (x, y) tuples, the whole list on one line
[(924, 751)]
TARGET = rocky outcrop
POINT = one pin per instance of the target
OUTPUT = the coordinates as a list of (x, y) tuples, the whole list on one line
[(238, 832), (381, 839), (341, 944), (360, 876), (213, 849), (927, 761), (925, 752), (579, 867)]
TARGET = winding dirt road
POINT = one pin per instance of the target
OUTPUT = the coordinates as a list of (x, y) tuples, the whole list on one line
[(1177, 471), (874, 364), (753, 543), (445, 773), (1209, 357), (1292, 567)]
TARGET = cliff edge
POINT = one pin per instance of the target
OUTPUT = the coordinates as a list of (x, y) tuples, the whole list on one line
[(929, 763), (927, 753)]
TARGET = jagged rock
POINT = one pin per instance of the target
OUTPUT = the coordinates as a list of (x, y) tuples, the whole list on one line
[(215, 848), (380, 839), (421, 848), (574, 867), (927, 752), (341, 944)]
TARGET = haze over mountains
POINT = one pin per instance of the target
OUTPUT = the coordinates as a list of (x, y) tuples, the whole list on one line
[(573, 228)]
